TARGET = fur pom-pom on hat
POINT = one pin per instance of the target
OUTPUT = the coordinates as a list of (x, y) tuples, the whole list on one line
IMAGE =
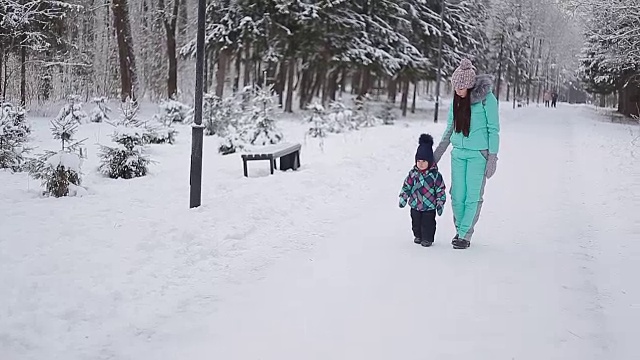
[(425, 149), (466, 64), (425, 139)]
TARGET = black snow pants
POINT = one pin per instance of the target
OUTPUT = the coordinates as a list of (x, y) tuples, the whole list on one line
[(424, 224)]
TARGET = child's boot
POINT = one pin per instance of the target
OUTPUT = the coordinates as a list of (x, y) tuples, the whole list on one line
[(426, 243), (417, 240)]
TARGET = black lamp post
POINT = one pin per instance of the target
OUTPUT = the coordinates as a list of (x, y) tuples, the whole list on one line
[(195, 181)]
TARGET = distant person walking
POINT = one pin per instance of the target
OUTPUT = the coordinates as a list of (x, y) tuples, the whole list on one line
[(547, 98), (554, 98)]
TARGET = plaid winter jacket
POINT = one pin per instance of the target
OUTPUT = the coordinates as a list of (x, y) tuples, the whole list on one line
[(424, 191)]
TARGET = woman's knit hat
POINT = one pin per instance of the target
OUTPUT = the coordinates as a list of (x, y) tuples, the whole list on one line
[(465, 76)]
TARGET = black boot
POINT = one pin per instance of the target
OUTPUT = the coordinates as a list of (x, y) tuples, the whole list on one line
[(417, 240), (460, 243), (426, 243)]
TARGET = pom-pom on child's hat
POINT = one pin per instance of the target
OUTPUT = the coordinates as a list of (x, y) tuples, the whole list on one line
[(425, 149), (464, 77)]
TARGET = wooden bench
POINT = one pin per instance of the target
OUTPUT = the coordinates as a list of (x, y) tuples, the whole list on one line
[(289, 155)]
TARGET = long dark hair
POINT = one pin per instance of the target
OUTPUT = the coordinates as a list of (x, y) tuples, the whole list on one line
[(462, 113)]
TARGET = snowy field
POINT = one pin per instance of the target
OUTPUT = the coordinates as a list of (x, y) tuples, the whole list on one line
[(320, 263)]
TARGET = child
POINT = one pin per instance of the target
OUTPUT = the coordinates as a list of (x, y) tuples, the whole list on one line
[(424, 191)]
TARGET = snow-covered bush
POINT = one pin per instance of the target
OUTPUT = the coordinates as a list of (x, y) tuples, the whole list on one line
[(340, 118), (259, 125), (72, 111), (318, 120), (14, 132), (127, 159), (387, 114), (174, 111), (242, 120), (364, 116), (60, 171), (160, 135), (218, 114), (101, 111), (231, 142)]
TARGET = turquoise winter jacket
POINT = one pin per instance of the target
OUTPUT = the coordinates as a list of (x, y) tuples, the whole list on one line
[(484, 133)]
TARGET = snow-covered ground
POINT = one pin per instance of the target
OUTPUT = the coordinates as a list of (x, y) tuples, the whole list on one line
[(320, 263)]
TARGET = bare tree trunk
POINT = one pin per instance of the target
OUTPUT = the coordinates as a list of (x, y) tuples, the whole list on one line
[(393, 90), (366, 82), (415, 93), (1, 64), (248, 65), (629, 100), (205, 83), (128, 77), (291, 64), (516, 87), (221, 74), (343, 81), (183, 20), (6, 79), (280, 82), (498, 85), (508, 83), (23, 76), (332, 84), (305, 88), (355, 82), (170, 25), (238, 64), (405, 97)]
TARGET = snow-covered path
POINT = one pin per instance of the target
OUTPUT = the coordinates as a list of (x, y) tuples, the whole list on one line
[(550, 274), (320, 264)]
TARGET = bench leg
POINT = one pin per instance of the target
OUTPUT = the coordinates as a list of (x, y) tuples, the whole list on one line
[(286, 163), (272, 162), (244, 165), (297, 162)]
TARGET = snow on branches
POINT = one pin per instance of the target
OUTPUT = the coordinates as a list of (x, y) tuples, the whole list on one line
[(14, 132), (60, 171), (127, 159)]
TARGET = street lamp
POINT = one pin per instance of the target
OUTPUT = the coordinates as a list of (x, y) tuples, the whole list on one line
[(195, 180), (439, 75)]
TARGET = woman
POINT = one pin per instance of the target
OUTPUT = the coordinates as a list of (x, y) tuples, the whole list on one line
[(473, 128)]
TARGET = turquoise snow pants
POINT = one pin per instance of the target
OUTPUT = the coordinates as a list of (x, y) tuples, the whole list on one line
[(467, 188)]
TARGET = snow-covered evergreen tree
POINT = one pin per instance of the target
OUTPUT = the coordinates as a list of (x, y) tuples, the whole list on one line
[(259, 127), (72, 111), (319, 126), (127, 159), (340, 118), (14, 132), (610, 59), (60, 171), (160, 134), (387, 114), (101, 111), (365, 117), (174, 111), (218, 114)]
